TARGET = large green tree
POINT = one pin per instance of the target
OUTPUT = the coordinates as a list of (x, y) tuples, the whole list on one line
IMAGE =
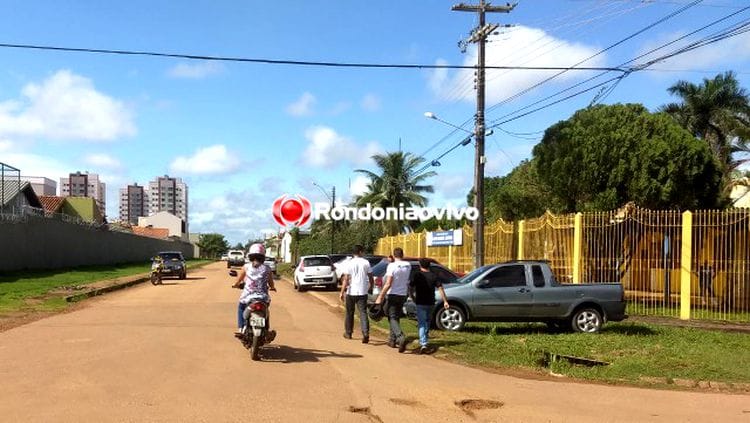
[(396, 182), (717, 111), (212, 245), (518, 195), (605, 156)]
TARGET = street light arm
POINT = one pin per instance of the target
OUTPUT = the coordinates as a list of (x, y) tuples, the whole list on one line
[(430, 115), (322, 190)]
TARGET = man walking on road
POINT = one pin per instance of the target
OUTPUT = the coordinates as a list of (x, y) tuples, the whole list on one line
[(357, 282), (422, 289), (396, 287)]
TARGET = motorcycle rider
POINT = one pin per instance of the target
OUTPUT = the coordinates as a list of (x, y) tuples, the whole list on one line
[(258, 279)]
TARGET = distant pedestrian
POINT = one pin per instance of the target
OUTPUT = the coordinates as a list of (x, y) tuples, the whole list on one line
[(422, 289), (354, 288), (396, 288), (706, 275)]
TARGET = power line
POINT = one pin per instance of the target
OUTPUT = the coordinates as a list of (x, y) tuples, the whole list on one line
[(289, 62), (633, 35), (624, 64)]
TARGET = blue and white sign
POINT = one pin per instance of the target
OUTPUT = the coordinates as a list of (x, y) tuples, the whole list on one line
[(445, 238)]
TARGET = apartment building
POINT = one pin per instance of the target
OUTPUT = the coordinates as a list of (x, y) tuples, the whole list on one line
[(133, 203), (84, 185), (166, 194)]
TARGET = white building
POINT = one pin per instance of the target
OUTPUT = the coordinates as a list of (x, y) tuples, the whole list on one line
[(85, 185), (169, 195), (176, 226), (41, 185), (740, 195), (133, 203)]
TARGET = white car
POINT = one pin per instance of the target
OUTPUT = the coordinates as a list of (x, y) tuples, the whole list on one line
[(315, 271), (341, 266)]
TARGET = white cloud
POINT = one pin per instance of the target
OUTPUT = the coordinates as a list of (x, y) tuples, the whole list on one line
[(5, 145), (327, 149), (340, 108), (65, 106), (102, 161), (211, 160), (452, 185), (359, 185), (708, 57), (509, 50), (197, 70), (239, 215), (370, 103), (303, 106), (36, 165)]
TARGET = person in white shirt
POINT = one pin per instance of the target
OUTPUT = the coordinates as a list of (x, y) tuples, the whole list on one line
[(396, 287), (354, 288)]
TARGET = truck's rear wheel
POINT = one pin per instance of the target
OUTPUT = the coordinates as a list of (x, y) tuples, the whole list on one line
[(452, 318), (586, 320)]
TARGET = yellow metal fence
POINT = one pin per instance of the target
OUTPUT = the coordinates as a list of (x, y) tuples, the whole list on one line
[(681, 264)]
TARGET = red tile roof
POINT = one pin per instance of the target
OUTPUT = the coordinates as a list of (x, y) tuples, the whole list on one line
[(151, 232), (51, 204)]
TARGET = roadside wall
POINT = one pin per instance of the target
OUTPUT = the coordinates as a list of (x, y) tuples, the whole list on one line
[(39, 243)]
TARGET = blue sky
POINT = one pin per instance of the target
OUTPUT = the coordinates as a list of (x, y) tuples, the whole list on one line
[(242, 134)]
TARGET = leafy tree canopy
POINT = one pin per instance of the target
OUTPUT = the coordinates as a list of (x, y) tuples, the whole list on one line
[(212, 245), (604, 156)]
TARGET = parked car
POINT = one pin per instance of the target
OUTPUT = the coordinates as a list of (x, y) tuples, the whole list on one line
[(173, 264), (271, 263), (445, 275), (526, 291), (224, 257), (235, 258), (315, 271)]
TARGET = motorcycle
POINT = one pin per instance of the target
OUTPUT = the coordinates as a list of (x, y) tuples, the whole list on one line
[(255, 331), (156, 270)]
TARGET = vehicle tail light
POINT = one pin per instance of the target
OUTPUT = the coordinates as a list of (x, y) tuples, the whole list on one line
[(257, 306), (378, 281), (302, 266)]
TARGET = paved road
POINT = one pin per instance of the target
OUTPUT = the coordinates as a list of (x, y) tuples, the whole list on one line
[(166, 353)]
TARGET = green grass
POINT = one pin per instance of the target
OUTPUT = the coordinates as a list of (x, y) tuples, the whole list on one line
[(16, 289), (635, 351)]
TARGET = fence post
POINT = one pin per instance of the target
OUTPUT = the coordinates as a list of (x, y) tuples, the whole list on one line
[(577, 232), (686, 264), (450, 257), (419, 244), (519, 256)]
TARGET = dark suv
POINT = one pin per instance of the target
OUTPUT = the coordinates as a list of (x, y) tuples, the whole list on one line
[(444, 275), (173, 264)]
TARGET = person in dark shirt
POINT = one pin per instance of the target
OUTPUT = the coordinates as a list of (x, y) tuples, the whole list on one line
[(422, 289)]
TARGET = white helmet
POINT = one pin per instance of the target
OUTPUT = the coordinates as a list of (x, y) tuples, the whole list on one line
[(257, 249)]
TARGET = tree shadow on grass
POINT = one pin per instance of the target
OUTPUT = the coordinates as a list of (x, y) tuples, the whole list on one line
[(287, 354)]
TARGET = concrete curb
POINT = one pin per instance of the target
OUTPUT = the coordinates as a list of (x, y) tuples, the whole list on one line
[(116, 285)]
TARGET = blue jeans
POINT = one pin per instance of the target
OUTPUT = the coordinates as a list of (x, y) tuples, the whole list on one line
[(423, 323), (241, 319)]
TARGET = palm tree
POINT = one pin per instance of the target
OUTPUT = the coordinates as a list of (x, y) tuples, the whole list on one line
[(717, 111), (398, 183)]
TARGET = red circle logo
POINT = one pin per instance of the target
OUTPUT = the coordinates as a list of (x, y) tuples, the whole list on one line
[(291, 211)]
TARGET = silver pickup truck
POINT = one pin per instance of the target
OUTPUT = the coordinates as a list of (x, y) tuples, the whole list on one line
[(526, 291)]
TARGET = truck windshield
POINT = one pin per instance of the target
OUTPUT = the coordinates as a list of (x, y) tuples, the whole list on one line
[(472, 275)]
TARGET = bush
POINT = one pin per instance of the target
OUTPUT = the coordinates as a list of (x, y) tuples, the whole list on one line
[(285, 269)]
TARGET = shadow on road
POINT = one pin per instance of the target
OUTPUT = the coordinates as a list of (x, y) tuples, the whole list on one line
[(287, 354)]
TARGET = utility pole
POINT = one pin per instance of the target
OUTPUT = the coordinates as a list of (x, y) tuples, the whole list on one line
[(333, 222), (479, 36)]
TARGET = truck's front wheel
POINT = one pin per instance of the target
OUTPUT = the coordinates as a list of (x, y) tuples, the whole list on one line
[(586, 320), (452, 318)]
